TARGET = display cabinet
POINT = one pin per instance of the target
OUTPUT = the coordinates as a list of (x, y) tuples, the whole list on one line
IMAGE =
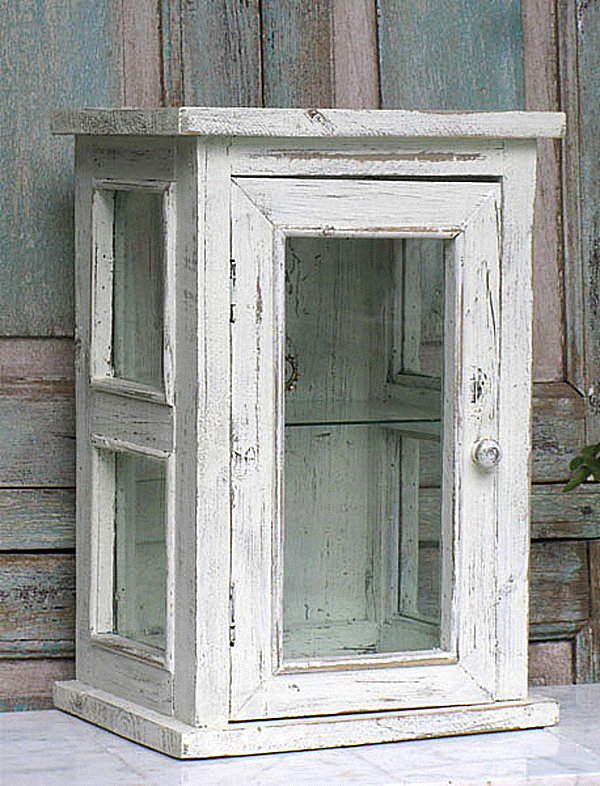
[(303, 425)]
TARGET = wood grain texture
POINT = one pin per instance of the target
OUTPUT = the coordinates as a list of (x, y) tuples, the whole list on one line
[(571, 195), (37, 604), (37, 433), (558, 430), (297, 53), (309, 123), (554, 515), (141, 52), (460, 55), (51, 56), (35, 519), (36, 358), (559, 589), (355, 54), (27, 684), (551, 663), (179, 740), (540, 53), (171, 43), (221, 52), (588, 71), (592, 670)]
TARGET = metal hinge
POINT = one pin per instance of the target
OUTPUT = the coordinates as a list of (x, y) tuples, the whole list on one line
[(232, 302), (231, 615)]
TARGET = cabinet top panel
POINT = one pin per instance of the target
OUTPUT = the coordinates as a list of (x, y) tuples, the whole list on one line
[(308, 123)]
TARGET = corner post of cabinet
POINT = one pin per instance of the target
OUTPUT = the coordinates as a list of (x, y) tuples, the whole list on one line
[(512, 552)]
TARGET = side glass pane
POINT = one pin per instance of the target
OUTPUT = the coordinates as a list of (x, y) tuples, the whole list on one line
[(137, 329), (362, 455), (140, 549)]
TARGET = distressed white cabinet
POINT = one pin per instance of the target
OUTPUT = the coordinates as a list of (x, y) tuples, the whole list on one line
[(303, 429)]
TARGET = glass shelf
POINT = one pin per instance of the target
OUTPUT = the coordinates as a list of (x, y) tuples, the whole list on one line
[(407, 417)]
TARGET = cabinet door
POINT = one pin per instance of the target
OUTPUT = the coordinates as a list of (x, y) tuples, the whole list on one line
[(365, 354)]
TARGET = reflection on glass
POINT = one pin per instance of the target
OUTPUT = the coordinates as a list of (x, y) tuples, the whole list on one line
[(138, 287), (362, 456), (140, 549)]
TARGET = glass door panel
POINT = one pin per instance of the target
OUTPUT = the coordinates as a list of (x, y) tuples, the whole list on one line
[(362, 446), (140, 549), (138, 298)]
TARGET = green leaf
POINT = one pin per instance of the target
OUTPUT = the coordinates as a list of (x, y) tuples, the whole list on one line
[(578, 477)]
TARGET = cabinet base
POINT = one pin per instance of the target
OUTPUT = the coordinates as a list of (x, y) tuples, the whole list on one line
[(177, 739)]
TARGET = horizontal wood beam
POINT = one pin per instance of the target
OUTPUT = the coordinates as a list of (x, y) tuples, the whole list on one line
[(37, 604), (37, 519)]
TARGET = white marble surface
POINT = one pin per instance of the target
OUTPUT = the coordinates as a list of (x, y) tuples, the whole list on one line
[(50, 748)]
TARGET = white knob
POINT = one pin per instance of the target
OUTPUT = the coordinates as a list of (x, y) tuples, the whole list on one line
[(487, 454)]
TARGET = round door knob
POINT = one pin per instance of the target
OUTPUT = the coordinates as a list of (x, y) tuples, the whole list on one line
[(487, 454)]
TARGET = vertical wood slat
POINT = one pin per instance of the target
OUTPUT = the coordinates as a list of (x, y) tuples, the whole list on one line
[(52, 55), (355, 61), (221, 52), (588, 78), (171, 40), (541, 93), (573, 275), (297, 52), (461, 55), (142, 78)]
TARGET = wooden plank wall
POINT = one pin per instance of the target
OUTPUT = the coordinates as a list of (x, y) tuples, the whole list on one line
[(501, 54)]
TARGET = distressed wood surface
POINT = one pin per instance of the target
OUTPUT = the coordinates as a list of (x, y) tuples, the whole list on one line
[(51, 56), (297, 53), (592, 673), (551, 663), (35, 519), (554, 514), (204, 406), (255, 691), (171, 52), (540, 55), (355, 60), (558, 430), (179, 740), (38, 434), (315, 123), (37, 604), (139, 679), (221, 52), (27, 684), (588, 72), (141, 32), (36, 358), (575, 359), (478, 62), (559, 588)]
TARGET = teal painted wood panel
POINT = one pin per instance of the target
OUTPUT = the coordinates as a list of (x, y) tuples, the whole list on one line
[(588, 66), (37, 605), (221, 52), (37, 519), (37, 434), (51, 54), (297, 53), (467, 54)]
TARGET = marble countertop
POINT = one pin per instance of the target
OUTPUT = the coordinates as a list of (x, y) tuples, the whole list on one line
[(49, 748)]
